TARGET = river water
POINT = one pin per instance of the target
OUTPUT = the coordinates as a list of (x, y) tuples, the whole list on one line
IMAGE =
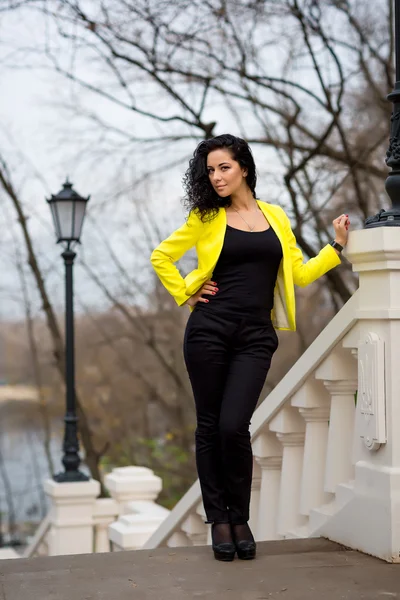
[(23, 469)]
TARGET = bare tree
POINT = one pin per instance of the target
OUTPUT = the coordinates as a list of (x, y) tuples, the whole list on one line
[(306, 79)]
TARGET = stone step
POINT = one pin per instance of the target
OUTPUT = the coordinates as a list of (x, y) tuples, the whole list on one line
[(283, 570)]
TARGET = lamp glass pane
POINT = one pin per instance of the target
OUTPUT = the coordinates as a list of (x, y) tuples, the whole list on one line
[(80, 207), (65, 216), (54, 214)]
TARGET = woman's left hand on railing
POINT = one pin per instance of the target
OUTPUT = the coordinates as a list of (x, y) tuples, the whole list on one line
[(341, 226)]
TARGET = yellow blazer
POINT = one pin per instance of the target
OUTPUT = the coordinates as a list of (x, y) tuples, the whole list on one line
[(209, 238)]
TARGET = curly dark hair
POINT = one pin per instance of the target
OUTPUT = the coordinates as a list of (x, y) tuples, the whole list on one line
[(200, 195)]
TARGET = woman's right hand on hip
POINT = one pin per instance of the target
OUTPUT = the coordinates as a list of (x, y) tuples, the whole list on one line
[(209, 288)]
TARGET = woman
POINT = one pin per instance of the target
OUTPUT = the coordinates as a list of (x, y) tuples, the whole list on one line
[(241, 291)]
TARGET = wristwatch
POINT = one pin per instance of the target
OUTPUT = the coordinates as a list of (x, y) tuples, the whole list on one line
[(336, 245)]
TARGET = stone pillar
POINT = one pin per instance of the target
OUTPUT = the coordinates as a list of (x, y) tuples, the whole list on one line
[(370, 519), (339, 374), (71, 515), (268, 454), (134, 489), (106, 511), (289, 428), (313, 403)]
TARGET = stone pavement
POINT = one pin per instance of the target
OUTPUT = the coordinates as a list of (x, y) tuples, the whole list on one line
[(287, 570)]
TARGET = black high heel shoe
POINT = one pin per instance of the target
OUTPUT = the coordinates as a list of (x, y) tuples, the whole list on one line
[(223, 550), (244, 541)]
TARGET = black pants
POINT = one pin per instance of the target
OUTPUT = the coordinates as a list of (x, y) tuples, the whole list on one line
[(227, 359)]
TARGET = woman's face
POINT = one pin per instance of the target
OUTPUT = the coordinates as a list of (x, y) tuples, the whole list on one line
[(225, 173)]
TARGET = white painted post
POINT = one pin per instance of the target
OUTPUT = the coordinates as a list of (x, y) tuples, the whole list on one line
[(106, 511), (71, 516), (268, 454), (339, 374), (289, 428), (313, 404)]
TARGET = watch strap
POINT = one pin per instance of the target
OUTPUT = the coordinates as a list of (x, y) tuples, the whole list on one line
[(337, 246)]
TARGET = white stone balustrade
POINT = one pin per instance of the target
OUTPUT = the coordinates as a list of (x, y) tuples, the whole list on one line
[(370, 519)]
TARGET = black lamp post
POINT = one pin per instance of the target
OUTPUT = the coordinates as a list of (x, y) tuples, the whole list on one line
[(391, 218), (68, 210)]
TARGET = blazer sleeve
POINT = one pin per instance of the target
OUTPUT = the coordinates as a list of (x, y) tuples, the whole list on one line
[(305, 273), (172, 249)]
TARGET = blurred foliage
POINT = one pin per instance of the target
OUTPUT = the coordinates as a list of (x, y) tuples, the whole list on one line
[(165, 456)]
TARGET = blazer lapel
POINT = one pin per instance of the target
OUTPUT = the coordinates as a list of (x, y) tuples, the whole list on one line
[(280, 309), (274, 222)]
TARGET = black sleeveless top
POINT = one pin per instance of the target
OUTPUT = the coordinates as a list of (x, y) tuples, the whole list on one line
[(245, 273)]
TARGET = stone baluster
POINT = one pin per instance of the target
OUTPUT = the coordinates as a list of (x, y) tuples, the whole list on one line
[(313, 403), (195, 529), (339, 374), (134, 489), (289, 428), (106, 511), (267, 452)]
